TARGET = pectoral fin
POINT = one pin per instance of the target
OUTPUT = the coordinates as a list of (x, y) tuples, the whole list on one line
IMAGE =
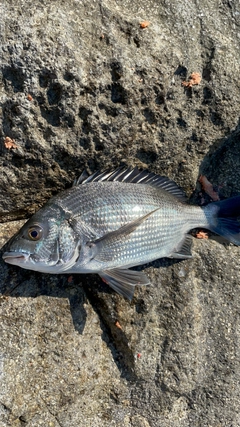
[(102, 247), (124, 281)]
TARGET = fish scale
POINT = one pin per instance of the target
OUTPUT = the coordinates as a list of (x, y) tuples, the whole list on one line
[(147, 241), (114, 220)]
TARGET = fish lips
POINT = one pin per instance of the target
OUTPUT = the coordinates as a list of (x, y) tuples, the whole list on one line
[(15, 258)]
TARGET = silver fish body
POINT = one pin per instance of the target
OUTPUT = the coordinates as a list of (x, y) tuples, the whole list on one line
[(112, 221)]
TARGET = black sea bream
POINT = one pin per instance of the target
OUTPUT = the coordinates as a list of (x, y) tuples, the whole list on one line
[(112, 221)]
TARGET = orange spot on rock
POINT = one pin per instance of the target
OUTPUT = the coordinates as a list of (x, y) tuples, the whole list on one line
[(117, 324), (208, 188), (9, 143), (194, 79), (144, 24), (202, 235)]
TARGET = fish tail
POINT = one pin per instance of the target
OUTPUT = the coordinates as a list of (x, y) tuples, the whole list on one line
[(224, 218)]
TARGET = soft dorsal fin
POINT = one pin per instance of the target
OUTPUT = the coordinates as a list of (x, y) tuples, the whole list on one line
[(134, 176)]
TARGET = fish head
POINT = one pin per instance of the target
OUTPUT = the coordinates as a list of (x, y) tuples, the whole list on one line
[(45, 243)]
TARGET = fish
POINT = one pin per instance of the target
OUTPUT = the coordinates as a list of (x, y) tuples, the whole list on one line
[(111, 221)]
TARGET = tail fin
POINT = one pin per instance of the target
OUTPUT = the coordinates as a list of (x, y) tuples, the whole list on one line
[(224, 218)]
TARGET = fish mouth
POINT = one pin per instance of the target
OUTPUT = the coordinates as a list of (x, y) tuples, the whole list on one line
[(15, 257)]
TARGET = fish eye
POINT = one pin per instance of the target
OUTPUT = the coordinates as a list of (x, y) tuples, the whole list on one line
[(35, 232)]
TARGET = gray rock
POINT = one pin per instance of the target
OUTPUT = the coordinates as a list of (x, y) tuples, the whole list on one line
[(83, 86)]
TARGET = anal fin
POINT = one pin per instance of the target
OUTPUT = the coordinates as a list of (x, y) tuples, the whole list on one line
[(184, 249), (124, 281)]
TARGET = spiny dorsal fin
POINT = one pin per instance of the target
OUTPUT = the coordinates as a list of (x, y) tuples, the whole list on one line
[(134, 176)]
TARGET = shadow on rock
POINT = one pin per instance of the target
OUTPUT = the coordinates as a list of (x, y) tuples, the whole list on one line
[(17, 282), (78, 289), (222, 166)]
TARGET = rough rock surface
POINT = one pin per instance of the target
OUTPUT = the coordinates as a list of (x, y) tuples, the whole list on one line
[(83, 86)]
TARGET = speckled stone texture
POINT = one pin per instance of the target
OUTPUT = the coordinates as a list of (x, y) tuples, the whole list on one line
[(83, 86)]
